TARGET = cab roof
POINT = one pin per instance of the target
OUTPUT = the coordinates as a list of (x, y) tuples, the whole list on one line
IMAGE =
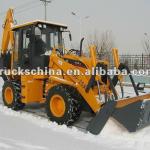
[(37, 22)]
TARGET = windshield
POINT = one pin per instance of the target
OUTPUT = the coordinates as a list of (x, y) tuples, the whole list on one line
[(52, 37)]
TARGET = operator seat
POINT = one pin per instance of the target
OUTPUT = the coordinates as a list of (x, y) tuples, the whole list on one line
[(39, 58)]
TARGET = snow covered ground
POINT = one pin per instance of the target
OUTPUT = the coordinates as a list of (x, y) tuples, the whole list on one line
[(24, 131)]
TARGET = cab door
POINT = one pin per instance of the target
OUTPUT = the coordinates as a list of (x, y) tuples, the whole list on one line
[(25, 48)]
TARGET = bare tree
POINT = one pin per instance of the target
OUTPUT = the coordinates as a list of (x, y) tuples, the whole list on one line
[(104, 43), (146, 43)]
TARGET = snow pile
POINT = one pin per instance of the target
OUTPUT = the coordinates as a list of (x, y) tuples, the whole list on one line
[(38, 121), (113, 136), (21, 130)]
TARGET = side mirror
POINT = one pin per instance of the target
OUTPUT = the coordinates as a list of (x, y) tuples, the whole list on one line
[(28, 34), (70, 36)]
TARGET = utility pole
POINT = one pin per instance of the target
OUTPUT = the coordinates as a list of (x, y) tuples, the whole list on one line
[(45, 5)]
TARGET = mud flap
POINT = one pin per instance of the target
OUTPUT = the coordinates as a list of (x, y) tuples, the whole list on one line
[(99, 121), (134, 116)]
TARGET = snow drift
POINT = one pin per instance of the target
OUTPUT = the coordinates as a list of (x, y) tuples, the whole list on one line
[(21, 130)]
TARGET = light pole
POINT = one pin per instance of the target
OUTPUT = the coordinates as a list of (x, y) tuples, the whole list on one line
[(80, 21), (45, 4)]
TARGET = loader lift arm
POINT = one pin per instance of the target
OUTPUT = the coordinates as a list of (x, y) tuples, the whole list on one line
[(121, 67)]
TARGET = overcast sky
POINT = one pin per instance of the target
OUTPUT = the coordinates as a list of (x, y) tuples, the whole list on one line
[(127, 19)]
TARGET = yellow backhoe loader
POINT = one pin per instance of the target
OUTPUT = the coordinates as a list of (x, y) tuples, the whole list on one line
[(40, 44)]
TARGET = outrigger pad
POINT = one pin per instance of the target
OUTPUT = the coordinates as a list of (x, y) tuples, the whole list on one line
[(99, 121), (134, 116)]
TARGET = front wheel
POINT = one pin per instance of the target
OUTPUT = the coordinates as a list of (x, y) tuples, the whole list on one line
[(61, 107), (11, 95)]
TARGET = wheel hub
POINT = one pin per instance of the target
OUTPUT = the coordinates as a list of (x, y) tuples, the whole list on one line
[(57, 106), (8, 95)]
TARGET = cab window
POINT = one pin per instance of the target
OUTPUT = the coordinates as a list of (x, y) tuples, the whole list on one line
[(25, 40)]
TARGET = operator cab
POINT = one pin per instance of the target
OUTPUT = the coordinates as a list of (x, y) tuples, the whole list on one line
[(34, 42)]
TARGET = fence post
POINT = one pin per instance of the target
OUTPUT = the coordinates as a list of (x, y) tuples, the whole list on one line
[(142, 61)]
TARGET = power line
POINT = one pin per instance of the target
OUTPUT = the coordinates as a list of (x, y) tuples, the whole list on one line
[(23, 9), (20, 7), (26, 4), (46, 2), (26, 8)]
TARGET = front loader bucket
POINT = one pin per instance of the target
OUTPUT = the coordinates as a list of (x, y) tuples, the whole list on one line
[(134, 116)]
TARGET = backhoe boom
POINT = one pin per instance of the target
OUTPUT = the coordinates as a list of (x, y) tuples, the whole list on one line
[(8, 35)]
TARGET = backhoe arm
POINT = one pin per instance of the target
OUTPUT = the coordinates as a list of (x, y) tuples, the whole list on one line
[(8, 36)]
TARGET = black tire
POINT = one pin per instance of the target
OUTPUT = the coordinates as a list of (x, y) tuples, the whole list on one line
[(16, 103), (72, 106)]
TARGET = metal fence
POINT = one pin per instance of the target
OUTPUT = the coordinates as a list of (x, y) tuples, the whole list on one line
[(133, 61), (136, 61)]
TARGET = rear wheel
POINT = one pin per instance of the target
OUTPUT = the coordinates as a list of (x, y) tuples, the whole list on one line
[(11, 95), (61, 107)]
